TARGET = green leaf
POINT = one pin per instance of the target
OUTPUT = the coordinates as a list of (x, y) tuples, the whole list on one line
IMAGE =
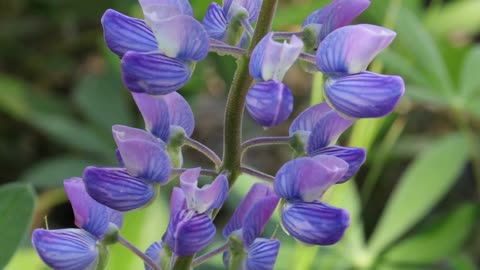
[(426, 96), (454, 17), (469, 78), (71, 133), (396, 63), (141, 228), (26, 258), (424, 183), (441, 239), (414, 39), (103, 100), (17, 202), (51, 172), (462, 262)]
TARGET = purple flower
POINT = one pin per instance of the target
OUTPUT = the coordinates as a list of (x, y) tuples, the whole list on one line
[(146, 165), (218, 20), (270, 102), (164, 115), (155, 251), (337, 14), (77, 249), (158, 53), (319, 127), (301, 182), (344, 56), (247, 224), (191, 229)]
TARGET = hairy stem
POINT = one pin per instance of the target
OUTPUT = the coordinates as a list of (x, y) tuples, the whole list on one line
[(124, 242), (177, 171), (237, 95), (262, 141), (204, 150), (205, 257), (225, 49)]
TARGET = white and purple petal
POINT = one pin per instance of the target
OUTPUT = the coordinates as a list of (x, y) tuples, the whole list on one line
[(337, 14), (162, 112), (123, 33), (189, 232), (154, 252), (143, 155), (354, 156), (215, 22), (256, 193), (178, 201), (307, 179), (182, 6), (327, 130), (208, 197), (262, 254), (89, 214), (66, 249), (154, 73), (115, 188), (364, 95), (350, 49), (271, 60), (269, 103), (315, 223), (181, 37)]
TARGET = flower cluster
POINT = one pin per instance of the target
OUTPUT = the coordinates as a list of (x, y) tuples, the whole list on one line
[(158, 55)]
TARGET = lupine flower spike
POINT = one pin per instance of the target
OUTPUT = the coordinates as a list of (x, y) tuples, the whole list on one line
[(158, 54), (79, 249)]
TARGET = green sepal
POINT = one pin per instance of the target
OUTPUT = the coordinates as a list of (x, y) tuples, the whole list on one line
[(111, 236), (174, 146), (103, 256), (235, 29), (298, 144), (237, 254), (310, 36), (167, 254)]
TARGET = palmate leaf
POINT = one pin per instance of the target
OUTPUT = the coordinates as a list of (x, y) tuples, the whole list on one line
[(17, 202), (424, 183)]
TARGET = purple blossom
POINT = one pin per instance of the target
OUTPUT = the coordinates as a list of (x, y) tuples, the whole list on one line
[(191, 228), (301, 182), (77, 249), (344, 56), (158, 53), (247, 224)]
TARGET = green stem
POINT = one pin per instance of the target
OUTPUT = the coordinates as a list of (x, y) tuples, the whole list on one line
[(204, 150), (237, 95), (258, 174), (205, 257), (263, 141)]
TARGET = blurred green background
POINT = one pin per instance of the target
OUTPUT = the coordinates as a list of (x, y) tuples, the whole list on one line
[(414, 204)]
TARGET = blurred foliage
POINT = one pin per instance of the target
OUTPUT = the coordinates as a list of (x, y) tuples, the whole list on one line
[(413, 205)]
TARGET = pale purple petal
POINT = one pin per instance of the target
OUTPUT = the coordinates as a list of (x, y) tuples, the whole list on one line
[(123, 33), (178, 201), (161, 112), (258, 192), (181, 37), (215, 22), (183, 6), (271, 60), (206, 198), (308, 118), (315, 223), (189, 232), (154, 252), (354, 156), (337, 14), (349, 50), (307, 179), (89, 214), (154, 73), (327, 130), (257, 217), (143, 155), (66, 249), (262, 254), (115, 188), (269, 103), (364, 95)]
